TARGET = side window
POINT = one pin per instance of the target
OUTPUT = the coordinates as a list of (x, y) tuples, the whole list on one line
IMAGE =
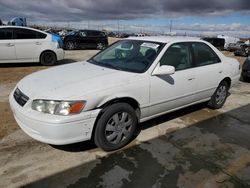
[(102, 34), (6, 34), (82, 34), (178, 55), (25, 34), (94, 33), (41, 35), (204, 55)]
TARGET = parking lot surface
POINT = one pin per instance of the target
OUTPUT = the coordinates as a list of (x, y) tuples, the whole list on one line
[(193, 147)]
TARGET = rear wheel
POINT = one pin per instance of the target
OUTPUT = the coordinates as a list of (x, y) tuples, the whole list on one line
[(70, 45), (220, 95), (48, 58), (100, 46), (116, 127)]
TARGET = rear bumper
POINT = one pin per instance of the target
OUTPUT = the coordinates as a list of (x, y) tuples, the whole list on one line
[(235, 80), (59, 54)]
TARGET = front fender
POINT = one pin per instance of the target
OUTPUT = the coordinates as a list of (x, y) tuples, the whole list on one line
[(114, 97)]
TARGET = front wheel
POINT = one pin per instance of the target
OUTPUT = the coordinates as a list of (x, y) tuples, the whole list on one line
[(116, 126), (220, 95)]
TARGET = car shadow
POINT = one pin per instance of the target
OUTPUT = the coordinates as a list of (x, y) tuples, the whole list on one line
[(76, 147), (65, 61), (35, 64), (15, 65)]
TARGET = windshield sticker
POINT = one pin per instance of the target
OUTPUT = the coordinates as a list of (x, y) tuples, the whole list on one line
[(150, 45)]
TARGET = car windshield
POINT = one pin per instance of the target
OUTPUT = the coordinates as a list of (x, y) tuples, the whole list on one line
[(128, 55)]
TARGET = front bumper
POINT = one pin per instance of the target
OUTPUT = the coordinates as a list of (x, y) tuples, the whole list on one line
[(54, 129)]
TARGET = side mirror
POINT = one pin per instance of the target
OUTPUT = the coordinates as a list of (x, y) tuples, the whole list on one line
[(164, 70)]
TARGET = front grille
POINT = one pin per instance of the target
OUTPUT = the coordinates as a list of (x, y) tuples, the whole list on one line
[(20, 98)]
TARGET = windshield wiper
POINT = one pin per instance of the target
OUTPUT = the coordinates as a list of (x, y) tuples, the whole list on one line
[(111, 66), (104, 64)]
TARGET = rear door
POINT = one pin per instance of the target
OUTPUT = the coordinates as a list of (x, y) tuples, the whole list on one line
[(28, 43), (7, 45), (83, 40), (208, 71), (94, 38)]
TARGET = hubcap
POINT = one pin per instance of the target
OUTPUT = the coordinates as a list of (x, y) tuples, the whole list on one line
[(221, 95), (118, 127), (49, 58), (100, 46), (70, 45)]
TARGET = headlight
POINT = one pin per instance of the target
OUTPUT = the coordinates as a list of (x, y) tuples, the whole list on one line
[(58, 107)]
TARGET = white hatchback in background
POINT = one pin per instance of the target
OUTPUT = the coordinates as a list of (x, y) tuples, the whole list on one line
[(23, 44), (131, 81)]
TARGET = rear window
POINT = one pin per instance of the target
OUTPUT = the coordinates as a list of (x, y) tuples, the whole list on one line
[(6, 34)]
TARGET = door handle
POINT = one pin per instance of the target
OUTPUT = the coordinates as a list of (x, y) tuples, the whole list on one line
[(10, 44), (189, 79), (220, 71), (38, 43)]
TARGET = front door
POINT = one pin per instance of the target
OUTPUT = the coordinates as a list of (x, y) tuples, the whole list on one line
[(7, 45), (172, 91)]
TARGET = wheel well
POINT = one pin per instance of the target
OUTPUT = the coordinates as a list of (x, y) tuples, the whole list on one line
[(45, 52), (132, 102), (228, 80)]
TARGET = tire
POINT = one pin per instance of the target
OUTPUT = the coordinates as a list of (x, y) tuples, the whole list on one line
[(220, 95), (48, 58), (116, 127), (100, 46), (70, 45)]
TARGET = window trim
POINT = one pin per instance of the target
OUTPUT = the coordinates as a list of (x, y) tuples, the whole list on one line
[(194, 59), (36, 32)]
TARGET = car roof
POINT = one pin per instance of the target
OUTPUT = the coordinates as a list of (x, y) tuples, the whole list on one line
[(166, 39), (89, 30), (22, 27)]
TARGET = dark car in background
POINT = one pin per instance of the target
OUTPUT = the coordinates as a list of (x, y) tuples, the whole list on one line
[(245, 74), (219, 43), (85, 39), (244, 51), (232, 47)]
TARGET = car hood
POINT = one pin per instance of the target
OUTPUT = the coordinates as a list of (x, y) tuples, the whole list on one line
[(69, 82)]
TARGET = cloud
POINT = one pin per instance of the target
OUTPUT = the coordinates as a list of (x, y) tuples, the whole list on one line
[(79, 10), (77, 13)]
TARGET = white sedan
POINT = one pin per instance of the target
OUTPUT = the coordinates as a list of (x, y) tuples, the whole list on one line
[(131, 81), (23, 44)]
